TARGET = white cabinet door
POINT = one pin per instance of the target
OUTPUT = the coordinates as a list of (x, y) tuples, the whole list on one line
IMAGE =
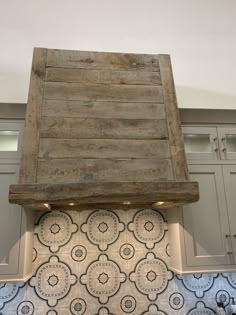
[(201, 143), (227, 140), (10, 222), (206, 226), (229, 172)]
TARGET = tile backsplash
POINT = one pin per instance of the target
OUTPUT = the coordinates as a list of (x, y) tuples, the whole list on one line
[(109, 263)]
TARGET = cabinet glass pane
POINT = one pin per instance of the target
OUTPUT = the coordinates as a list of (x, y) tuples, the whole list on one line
[(8, 140), (230, 143), (197, 143)]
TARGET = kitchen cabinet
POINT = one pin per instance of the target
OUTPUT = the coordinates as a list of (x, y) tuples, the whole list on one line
[(15, 224), (229, 173), (206, 226), (201, 143), (203, 234), (210, 143), (227, 140), (206, 230)]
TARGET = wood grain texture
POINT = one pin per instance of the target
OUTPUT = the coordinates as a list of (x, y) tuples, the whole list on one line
[(103, 170), (106, 148), (102, 92), (29, 158), (98, 60), (102, 76), (103, 128), (173, 120), (105, 110), (92, 193)]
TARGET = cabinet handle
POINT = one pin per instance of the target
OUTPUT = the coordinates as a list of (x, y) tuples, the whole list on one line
[(223, 146), (215, 145)]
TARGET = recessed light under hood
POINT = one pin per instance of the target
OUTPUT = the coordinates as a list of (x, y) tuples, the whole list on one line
[(102, 132)]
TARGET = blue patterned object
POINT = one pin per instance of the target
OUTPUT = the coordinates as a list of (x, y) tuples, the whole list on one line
[(109, 263)]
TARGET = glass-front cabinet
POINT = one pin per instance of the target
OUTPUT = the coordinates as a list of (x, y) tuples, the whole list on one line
[(11, 133), (210, 143), (227, 141)]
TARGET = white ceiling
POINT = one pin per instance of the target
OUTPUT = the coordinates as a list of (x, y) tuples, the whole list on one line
[(200, 35)]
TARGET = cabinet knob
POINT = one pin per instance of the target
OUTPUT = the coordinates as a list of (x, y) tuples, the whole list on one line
[(234, 235), (228, 235), (230, 253)]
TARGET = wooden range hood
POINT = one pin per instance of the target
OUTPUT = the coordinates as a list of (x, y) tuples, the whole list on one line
[(102, 132)]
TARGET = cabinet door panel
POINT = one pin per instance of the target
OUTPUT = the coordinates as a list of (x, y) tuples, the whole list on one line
[(10, 223), (206, 222), (200, 143), (229, 172), (11, 134), (227, 140)]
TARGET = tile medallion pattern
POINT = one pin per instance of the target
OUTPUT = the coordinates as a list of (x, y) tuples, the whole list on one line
[(176, 300), (199, 283), (78, 306), (26, 307), (53, 280), (103, 278), (151, 276), (231, 278), (201, 308), (148, 227), (110, 263), (153, 309), (103, 228), (55, 229), (223, 296), (8, 291)]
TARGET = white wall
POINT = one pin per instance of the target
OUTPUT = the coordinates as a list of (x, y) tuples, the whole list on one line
[(200, 36)]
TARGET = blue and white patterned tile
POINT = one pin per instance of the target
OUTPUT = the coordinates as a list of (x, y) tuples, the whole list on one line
[(188, 295), (216, 287), (11, 294), (110, 263), (201, 308), (227, 285), (229, 278), (198, 284)]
